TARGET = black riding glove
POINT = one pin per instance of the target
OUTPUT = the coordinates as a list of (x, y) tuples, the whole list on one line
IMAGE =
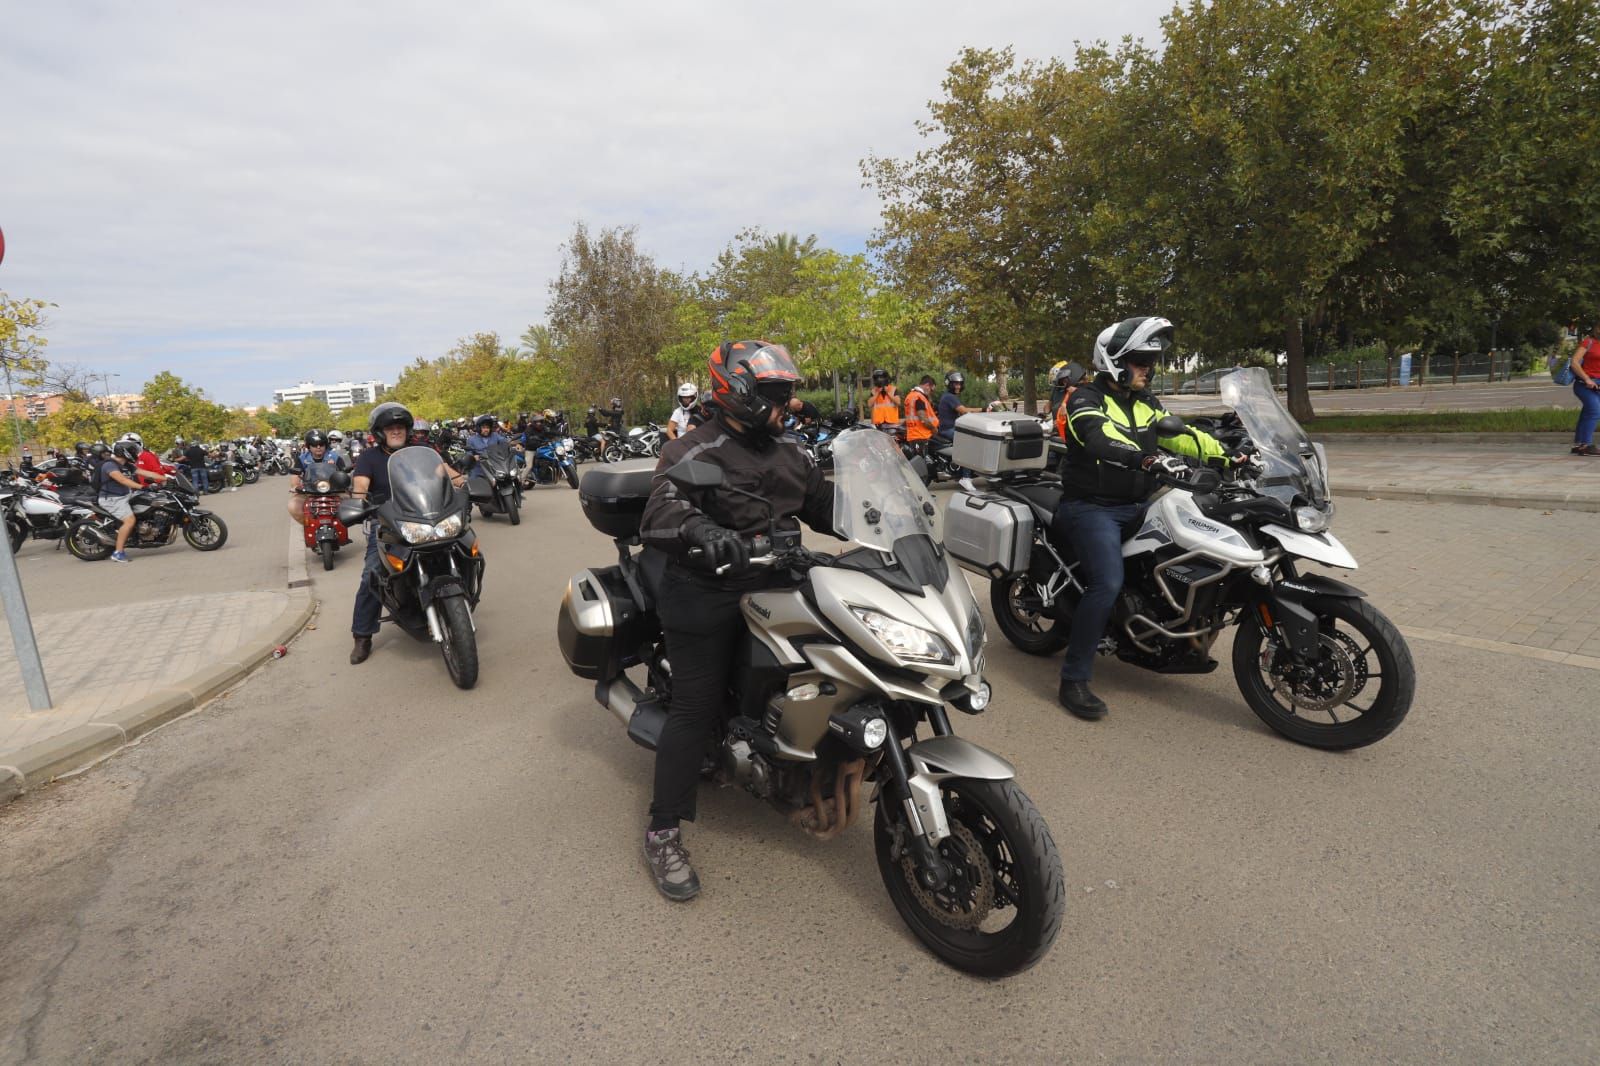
[(720, 547)]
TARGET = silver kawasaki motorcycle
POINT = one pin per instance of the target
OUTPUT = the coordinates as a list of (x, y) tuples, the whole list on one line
[(845, 677)]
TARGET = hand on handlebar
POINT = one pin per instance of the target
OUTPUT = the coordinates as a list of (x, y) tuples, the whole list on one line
[(1170, 465), (721, 549)]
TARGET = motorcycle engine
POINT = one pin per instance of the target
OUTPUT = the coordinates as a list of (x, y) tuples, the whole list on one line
[(153, 528), (744, 767)]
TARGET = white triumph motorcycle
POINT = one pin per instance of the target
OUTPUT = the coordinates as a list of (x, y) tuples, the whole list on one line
[(845, 659), (1312, 658)]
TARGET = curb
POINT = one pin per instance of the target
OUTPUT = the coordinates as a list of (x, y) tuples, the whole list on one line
[(79, 748), (1480, 497), (1557, 439)]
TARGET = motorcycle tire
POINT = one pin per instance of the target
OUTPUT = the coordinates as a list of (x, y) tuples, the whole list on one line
[(572, 475), (85, 545), (16, 535), (206, 533), (251, 476), (460, 645), (612, 454), (1032, 632), (1337, 665), (1017, 866), (237, 479), (326, 549), (513, 511)]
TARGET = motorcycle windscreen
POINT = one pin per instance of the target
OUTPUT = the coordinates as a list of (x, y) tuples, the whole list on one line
[(877, 497), (1292, 467), (419, 484), (497, 458), (325, 477)]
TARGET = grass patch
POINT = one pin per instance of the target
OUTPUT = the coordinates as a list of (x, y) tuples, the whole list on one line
[(1527, 420)]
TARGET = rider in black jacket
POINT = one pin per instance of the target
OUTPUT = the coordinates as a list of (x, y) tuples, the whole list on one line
[(752, 382)]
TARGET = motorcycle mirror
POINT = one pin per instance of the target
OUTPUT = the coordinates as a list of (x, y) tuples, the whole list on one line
[(1170, 426), (693, 474), (354, 512)]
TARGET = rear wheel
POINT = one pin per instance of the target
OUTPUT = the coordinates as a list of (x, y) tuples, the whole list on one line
[(460, 645), (1002, 907), (206, 533), (1355, 692), (1022, 618), (82, 542), (612, 453), (251, 476), (326, 548)]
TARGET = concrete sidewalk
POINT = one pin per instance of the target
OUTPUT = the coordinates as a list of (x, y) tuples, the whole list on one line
[(116, 672), (1503, 470)]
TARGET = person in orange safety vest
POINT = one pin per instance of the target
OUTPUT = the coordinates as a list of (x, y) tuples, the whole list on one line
[(885, 400), (921, 420)]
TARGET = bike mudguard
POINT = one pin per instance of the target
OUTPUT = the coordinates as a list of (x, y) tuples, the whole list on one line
[(1310, 586), (952, 756)]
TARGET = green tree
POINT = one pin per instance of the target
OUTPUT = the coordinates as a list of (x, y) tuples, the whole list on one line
[(611, 312), (77, 420), (243, 424), (173, 409)]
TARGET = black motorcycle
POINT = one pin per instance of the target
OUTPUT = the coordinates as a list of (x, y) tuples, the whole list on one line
[(433, 571), (493, 484), (159, 514)]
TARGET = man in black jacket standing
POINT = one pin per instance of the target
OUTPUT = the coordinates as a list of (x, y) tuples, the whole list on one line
[(751, 384)]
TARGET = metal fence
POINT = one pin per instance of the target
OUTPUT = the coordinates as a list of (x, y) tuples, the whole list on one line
[(1454, 369)]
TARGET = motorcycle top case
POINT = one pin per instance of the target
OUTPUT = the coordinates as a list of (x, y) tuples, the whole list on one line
[(601, 628), (613, 496), (999, 442), (988, 533)]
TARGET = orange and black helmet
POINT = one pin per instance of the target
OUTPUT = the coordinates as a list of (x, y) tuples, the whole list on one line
[(750, 378)]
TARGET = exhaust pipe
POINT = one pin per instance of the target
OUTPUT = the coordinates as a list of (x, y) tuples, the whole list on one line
[(620, 696)]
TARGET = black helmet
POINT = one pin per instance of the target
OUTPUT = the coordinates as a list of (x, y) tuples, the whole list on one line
[(315, 438), (750, 378), (880, 378), (126, 450), (1067, 374), (389, 414), (97, 449), (484, 420), (954, 378), (81, 447)]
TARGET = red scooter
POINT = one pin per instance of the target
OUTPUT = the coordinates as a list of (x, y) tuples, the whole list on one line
[(323, 484)]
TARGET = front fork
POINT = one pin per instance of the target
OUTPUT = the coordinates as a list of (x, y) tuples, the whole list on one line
[(918, 796)]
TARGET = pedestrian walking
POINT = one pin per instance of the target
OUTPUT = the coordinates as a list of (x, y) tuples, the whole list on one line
[(1585, 365)]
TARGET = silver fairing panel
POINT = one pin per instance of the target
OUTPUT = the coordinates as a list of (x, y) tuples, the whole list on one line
[(1318, 547), (1174, 518), (951, 613)]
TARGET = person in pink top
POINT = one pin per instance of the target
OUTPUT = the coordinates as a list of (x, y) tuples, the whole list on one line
[(1586, 386)]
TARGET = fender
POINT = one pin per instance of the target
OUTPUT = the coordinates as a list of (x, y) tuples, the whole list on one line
[(1312, 586), (937, 758)]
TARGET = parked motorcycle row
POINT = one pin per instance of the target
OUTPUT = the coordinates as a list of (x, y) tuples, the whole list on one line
[(852, 664)]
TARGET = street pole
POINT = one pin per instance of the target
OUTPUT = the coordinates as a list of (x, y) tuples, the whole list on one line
[(16, 604)]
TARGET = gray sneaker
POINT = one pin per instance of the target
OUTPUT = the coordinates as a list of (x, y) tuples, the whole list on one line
[(668, 860)]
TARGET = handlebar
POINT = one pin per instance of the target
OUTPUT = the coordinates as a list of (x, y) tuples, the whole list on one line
[(763, 554)]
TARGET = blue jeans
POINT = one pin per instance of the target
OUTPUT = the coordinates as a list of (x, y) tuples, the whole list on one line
[(1589, 417), (201, 478), (364, 622), (1095, 532)]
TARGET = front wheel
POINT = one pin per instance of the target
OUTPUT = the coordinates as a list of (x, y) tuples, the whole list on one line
[(1022, 618), (460, 645), (1002, 907), (205, 533), (612, 454), (16, 535), (82, 543), (513, 510), (1355, 692), (326, 548), (251, 476), (572, 475)]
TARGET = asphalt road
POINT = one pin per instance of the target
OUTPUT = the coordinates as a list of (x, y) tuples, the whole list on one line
[(363, 865)]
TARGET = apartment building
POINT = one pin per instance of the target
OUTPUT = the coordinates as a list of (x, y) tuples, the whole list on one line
[(337, 397)]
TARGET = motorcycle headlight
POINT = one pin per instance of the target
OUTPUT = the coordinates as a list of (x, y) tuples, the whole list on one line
[(1310, 519), (323, 486), (421, 532), (909, 642)]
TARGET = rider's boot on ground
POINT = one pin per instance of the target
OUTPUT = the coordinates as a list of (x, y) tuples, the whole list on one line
[(1076, 697), (668, 860)]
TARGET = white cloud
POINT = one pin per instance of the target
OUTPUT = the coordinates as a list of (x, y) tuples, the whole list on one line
[(255, 194)]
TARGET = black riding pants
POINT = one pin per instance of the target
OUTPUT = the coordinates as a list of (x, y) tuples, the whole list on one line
[(701, 622)]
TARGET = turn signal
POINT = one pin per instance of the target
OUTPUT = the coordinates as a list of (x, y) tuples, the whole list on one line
[(398, 564)]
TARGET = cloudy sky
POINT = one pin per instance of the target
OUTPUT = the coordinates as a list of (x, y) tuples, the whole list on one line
[(255, 194)]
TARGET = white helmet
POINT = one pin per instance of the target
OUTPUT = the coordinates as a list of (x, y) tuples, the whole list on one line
[(1147, 335), (335, 436), (133, 438), (688, 391)]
